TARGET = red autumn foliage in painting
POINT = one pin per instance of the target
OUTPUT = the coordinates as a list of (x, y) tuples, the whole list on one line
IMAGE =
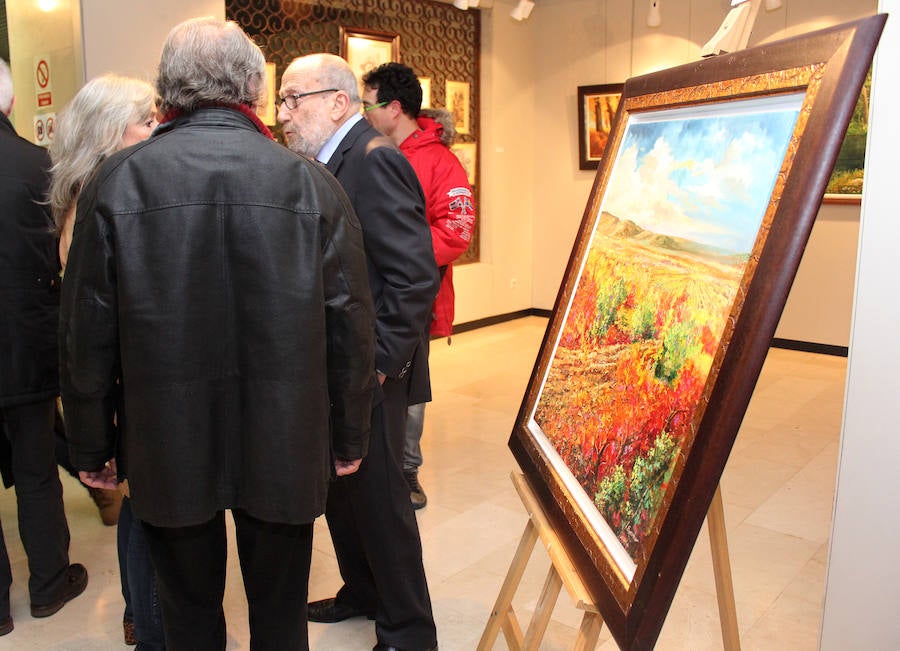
[(625, 385)]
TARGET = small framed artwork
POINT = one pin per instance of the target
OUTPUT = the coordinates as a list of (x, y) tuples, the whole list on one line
[(466, 153), (366, 49), (458, 104), (266, 108), (597, 106), (845, 184), (425, 83), (704, 199)]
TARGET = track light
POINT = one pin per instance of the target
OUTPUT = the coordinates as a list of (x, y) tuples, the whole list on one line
[(522, 10), (654, 18)]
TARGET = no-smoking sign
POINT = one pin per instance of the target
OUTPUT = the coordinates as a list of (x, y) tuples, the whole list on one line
[(43, 83), (44, 125)]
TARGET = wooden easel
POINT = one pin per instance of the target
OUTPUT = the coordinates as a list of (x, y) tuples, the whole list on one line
[(562, 573)]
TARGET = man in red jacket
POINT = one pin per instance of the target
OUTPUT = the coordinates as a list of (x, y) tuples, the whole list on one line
[(392, 100)]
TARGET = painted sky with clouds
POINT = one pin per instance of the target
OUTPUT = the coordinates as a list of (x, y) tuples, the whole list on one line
[(706, 179)]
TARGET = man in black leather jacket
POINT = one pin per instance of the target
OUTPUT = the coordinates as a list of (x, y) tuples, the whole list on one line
[(29, 381), (216, 300)]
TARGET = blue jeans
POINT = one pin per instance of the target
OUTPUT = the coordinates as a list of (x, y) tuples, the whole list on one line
[(415, 425), (139, 582)]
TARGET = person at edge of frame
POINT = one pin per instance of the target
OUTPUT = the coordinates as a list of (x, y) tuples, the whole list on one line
[(29, 377)]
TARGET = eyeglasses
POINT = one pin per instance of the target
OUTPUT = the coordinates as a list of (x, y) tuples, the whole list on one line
[(369, 107), (292, 100)]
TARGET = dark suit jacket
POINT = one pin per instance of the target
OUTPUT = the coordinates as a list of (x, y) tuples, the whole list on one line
[(403, 275), (29, 280)]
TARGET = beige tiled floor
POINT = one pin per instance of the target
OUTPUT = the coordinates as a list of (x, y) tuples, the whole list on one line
[(778, 490)]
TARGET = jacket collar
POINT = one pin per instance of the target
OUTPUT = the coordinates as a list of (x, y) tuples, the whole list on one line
[(334, 163), (215, 114), (6, 125)]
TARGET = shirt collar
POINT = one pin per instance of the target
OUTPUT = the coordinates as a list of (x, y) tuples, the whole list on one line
[(331, 146)]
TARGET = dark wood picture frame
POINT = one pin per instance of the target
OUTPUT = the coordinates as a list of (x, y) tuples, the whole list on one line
[(597, 107), (822, 73), (380, 47)]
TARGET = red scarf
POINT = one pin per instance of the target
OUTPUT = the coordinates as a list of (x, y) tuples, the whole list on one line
[(174, 113)]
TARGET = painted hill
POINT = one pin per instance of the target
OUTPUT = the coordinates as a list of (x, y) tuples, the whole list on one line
[(612, 226)]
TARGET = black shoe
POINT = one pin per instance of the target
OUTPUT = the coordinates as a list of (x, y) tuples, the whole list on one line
[(6, 626), (416, 492), (329, 611), (384, 647), (75, 583)]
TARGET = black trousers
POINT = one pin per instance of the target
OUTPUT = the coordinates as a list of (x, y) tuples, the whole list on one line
[(190, 572), (42, 519), (376, 537)]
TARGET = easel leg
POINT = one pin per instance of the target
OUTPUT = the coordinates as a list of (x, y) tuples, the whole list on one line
[(543, 611), (502, 614), (589, 633), (718, 542)]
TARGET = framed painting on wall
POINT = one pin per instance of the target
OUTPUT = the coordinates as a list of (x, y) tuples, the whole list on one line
[(597, 107), (266, 109), (366, 49), (702, 205), (845, 184), (466, 153), (457, 100), (425, 83)]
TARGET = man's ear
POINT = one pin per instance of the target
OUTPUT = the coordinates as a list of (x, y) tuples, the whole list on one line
[(340, 106), (12, 103)]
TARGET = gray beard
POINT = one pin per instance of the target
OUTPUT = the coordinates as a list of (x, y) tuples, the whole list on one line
[(304, 147)]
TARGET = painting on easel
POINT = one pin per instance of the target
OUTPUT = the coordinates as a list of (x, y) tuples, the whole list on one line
[(692, 235)]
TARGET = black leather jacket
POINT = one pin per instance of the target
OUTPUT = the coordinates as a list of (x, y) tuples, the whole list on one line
[(219, 281), (29, 274)]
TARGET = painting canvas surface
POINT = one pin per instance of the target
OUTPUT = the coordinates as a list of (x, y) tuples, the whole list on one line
[(621, 398), (599, 114)]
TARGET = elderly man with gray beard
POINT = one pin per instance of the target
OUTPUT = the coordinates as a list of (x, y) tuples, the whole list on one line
[(372, 524)]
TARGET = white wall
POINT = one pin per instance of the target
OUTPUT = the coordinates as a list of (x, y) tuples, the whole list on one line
[(862, 590), (127, 37), (49, 32), (502, 281)]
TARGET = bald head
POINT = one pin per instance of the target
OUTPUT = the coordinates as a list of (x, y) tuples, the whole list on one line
[(321, 93)]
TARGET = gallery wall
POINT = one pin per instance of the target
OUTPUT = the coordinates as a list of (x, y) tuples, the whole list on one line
[(581, 42)]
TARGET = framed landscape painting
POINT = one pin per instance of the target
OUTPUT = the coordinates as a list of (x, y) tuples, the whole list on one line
[(597, 107), (702, 205), (845, 184)]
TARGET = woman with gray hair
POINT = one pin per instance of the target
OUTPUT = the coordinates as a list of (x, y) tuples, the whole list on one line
[(109, 113)]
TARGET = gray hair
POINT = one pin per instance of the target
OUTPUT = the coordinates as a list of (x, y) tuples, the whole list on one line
[(6, 88), (209, 61), (90, 128), (331, 71)]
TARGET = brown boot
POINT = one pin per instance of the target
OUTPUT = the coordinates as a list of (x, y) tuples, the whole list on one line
[(109, 503)]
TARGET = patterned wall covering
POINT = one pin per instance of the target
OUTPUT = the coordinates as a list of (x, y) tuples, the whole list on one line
[(436, 40)]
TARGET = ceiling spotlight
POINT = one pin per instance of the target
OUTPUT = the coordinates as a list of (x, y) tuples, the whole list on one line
[(654, 19), (461, 4), (522, 10), (772, 5)]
